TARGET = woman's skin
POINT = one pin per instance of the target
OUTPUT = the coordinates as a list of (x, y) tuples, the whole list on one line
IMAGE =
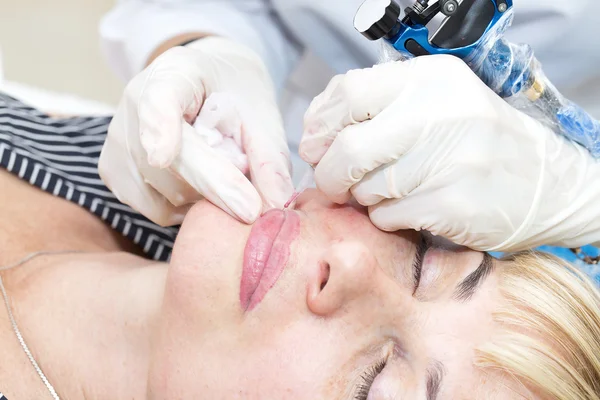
[(86, 317), (113, 325)]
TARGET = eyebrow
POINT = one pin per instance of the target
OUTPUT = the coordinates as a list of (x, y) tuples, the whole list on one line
[(435, 375), (467, 288)]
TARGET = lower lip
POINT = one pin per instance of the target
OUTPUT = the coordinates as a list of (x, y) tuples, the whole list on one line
[(266, 254)]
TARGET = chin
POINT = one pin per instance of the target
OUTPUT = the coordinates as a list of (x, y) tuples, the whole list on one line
[(206, 265), (207, 229)]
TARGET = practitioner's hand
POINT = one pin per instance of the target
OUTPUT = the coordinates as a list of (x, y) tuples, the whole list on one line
[(427, 146), (154, 159)]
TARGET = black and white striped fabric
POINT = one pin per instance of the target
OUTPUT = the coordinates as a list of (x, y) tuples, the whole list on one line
[(60, 156)]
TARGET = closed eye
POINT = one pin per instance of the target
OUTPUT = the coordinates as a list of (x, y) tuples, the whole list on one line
[(422, 248)]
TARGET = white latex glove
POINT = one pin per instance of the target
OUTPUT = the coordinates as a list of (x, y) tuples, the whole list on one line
[(427, 146), (154, 159)]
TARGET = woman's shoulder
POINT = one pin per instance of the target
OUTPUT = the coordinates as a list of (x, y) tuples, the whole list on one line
[(33, 220), (59, 157)]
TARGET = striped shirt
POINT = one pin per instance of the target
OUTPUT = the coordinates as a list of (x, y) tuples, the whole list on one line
[(60, 156)]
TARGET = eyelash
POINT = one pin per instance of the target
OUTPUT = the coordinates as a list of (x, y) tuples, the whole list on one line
[(368, 378), (418, 263)]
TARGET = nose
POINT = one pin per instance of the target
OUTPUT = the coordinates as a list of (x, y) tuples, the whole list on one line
[(348, 273)]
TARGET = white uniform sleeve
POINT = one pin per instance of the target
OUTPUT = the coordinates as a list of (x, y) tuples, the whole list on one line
[(135, 28)]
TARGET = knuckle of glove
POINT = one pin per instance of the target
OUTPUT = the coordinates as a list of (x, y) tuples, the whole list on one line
[(314, 114), (463, 80), (370, 90), (356, 90), (347, 148), (174, 55), (429, 67)]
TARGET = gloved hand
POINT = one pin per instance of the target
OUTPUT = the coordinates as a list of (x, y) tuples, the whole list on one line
[(156, 162), (427, 146)]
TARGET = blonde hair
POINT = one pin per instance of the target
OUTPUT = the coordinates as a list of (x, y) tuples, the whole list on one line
[(550, 328)]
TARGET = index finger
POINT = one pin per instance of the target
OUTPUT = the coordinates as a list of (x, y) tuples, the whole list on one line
[(268, 154), (358, 96), (363, 148)]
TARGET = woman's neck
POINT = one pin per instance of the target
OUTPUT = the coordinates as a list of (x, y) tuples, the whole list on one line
[(88, 319)]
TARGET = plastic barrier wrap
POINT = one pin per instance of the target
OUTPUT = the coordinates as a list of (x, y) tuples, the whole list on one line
[(513, 72)]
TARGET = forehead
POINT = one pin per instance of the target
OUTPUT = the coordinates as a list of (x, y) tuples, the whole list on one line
[(452, 332), (491, 383), (468, 330)]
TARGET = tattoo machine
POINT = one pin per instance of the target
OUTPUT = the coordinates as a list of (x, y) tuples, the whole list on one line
[(473, 31)]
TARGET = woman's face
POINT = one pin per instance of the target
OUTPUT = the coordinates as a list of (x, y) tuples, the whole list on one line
[(355, 313)]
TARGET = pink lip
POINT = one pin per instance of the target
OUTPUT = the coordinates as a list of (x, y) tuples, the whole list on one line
[(266, 254)]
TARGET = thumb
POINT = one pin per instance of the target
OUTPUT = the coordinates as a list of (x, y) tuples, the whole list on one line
[(366, 147), (215, 177), (265, 144), (395, 180)]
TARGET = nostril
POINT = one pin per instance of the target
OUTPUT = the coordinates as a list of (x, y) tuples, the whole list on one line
[(325, 271), (321, 296)]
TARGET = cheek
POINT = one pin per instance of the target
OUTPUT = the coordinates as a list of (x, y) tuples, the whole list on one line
[(456, 328), (453, 333), (240, 362), (296, 363), (206, 235), (205, 269)]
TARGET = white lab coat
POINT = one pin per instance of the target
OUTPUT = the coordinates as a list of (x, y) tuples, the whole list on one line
[(305, 42)]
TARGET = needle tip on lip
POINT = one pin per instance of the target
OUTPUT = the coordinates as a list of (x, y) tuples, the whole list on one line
[(291, 200)]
